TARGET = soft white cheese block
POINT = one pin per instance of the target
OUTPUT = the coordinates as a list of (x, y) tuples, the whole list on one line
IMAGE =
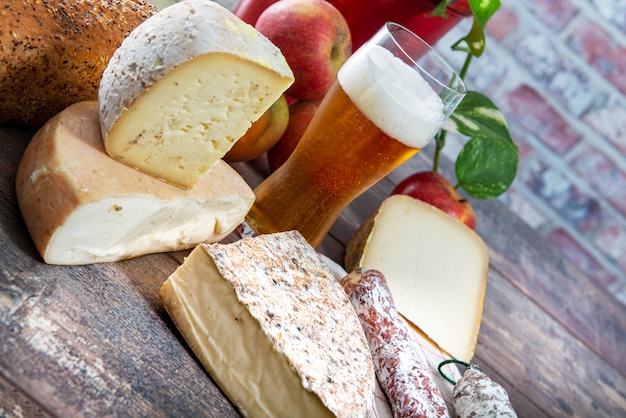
[(81, 206), (436, 268), (184, 86), (273, 327)]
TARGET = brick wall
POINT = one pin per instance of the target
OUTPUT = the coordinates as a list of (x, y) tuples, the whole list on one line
[(557, 70)]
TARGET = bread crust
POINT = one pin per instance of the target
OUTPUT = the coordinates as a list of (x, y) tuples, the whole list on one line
[(53, 52)]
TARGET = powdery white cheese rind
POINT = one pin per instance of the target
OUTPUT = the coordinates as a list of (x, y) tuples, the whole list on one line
[(184, 86), (304, 315), (436, 269), (81, 207)]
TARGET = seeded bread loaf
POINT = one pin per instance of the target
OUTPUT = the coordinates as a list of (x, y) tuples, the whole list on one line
[(53, 52)]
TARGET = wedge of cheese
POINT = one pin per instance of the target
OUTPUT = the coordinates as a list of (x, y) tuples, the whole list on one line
[(184, 86), (271, 324), (82, 207), (436, 269)]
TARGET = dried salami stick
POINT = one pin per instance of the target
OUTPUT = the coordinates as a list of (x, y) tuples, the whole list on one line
[(401, 369), (476, 395)]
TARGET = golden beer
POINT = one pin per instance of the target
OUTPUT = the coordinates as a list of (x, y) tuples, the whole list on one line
[(348, 146), (345, 156)]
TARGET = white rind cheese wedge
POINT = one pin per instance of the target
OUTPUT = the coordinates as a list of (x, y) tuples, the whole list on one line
[(184, 86), (270, 323), (436, 268), (81, 206)]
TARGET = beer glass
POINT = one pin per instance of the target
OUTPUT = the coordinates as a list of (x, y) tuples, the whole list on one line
[(388, 101)]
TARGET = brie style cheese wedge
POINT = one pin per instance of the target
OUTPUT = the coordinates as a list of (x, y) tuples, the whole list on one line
[(83, 207)]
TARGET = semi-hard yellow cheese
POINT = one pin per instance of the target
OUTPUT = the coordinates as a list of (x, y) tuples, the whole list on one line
[(436, 268), (268, 320), (81, 206), (184, 86)]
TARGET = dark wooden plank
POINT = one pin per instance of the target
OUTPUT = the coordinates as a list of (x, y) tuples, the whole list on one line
[(572, 298), (101, 340), (531, 351), (91, 340), (14, 403), (524, 406), (95, 340)]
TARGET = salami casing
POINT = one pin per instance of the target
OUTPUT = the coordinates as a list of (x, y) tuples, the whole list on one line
[(476, 395), (402, 370)]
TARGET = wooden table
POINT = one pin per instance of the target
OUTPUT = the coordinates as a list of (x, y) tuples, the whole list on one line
[(95, 340)]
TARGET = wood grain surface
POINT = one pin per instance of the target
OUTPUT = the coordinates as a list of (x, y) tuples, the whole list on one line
[(95, 340)]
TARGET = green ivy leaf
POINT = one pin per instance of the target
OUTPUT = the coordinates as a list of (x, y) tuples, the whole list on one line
[(487, 164), (475, 40), (477, 116), (483, 10), (486, 167)]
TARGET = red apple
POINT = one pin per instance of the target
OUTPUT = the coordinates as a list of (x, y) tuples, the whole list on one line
[(315, 40), (433, 188), (300, 115)]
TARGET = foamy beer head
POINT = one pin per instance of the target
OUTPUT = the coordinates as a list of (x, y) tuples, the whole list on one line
[(402, 85), (382, 110)]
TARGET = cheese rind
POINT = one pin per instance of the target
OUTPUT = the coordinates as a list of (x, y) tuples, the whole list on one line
[(81, 206), (271, 324), (435, 266), (184, 87)]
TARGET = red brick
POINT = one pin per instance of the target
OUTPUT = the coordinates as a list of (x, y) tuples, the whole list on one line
[(614, 11), (581, 211), (582, 258), (486, 73), (601, 51), (519, 205), (563, 79), (612, 241), (527, 107), (555, 14), (503, 23), (603, 174), (610, 122)]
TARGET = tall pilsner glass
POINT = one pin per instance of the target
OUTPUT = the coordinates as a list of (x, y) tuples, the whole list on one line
[(390, 98)]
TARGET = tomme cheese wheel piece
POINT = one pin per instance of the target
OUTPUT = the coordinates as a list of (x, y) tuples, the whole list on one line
[(435, 266), (184, 87), (53, 53), (81, 206), (269, 321)]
